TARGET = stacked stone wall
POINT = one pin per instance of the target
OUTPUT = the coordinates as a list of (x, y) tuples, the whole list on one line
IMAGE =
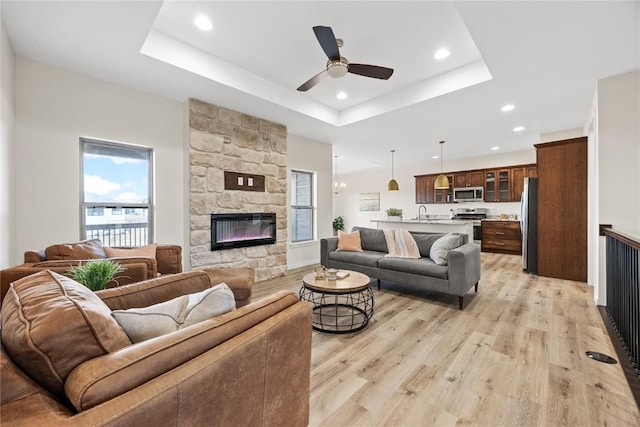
[(225, 140)]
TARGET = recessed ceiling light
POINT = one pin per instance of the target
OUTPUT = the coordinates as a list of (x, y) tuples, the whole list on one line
[(507, 107), (442, 53), (495, 148), (203, 23), (518, 128), (342, 95), (435, 157)]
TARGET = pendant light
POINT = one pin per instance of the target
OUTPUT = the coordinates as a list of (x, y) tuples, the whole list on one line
[(337, 186), (393, 184), (442, 182)]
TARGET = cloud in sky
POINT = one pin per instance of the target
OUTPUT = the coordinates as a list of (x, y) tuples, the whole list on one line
[(129, 197), (125, 160), (97, 185), (116, 160)]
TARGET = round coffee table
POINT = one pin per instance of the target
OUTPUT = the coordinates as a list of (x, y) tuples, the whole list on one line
[(339, 306)]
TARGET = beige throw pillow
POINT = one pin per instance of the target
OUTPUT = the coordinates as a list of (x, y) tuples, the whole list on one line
[(145, 323), (349, 241), (441, 247), (142, 251)]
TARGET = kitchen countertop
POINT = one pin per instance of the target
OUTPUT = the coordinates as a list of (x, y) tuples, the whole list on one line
[(428, 221)]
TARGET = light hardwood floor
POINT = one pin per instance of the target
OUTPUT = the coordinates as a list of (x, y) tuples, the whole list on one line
[(515, 356)]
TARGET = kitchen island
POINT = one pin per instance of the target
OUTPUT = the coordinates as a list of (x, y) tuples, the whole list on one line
[(461, 226)]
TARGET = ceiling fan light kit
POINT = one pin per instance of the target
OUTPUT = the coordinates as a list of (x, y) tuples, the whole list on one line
[(337, 69), (337, 65), (442, 182)]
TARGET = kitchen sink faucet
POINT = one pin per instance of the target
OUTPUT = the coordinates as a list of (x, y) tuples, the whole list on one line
[(419, 210)]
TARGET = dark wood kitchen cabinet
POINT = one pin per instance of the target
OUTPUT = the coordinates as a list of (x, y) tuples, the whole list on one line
[(518, 174), (562, 209), (501, 237), (497, 186), (444, 196), (426, 192), (424, 189), (502, 184), (468, 179)]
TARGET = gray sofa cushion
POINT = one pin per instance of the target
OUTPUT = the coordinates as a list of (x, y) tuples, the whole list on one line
[(366, 258), (422, 266), (372, 239), (425, 241)]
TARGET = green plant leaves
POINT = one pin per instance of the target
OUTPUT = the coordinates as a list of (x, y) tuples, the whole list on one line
[(95, 274)]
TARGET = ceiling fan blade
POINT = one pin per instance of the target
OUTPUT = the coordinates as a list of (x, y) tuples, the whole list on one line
[(371, 71), (313, 81), (327, 41)]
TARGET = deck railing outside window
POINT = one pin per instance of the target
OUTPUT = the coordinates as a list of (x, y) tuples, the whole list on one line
[(130, 234)]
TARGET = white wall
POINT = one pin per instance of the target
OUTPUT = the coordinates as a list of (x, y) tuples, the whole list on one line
[(618, 151), (560, 135), (54, 108), (375, 180), (308, 155), (7, 135)]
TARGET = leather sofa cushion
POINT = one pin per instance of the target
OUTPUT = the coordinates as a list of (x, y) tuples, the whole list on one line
[(372, 239), (422, 266), (87, 249), (13, 383), (51, 324), (148, 251), (97, 381)]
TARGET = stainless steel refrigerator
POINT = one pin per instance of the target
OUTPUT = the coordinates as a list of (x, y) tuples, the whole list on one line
[(529, 225)]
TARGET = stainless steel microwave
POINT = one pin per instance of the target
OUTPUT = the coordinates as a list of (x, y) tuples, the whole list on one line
[(468, 194)]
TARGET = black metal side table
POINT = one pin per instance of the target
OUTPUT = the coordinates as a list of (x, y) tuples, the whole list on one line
[(339, 306)]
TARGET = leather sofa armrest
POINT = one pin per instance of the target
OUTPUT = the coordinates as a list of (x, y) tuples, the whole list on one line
[(104, 378), (327, 245), (34, 256), (154, 291), (137, 269), (240, 280), (169, 259), (464, 268)]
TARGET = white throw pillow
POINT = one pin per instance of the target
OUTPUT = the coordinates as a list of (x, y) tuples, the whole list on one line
[(441, 247), (145, 323)]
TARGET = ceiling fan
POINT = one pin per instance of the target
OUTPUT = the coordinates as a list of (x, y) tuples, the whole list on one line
[(338, 66)]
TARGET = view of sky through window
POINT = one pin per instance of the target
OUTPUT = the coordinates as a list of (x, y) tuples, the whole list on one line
[(115, 179)]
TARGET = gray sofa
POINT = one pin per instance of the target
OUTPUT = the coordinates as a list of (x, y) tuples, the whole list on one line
[(456, 278)]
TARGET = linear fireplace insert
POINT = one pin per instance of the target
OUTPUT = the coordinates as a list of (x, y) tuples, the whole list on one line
[(237, 230)]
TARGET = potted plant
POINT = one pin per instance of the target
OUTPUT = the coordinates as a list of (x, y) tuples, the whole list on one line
[(95, 274), (338, 225), (394, 214)]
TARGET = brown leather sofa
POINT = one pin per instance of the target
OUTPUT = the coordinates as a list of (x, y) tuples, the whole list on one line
[(64, 361), (61, 257)]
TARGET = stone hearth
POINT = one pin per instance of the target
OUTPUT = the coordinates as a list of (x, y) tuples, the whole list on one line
[(225, 140)]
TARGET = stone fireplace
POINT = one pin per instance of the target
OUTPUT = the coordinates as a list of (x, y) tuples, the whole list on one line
[(226, 141)]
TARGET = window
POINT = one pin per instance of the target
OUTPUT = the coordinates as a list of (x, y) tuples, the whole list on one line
[(302, 206), (116, 193)]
